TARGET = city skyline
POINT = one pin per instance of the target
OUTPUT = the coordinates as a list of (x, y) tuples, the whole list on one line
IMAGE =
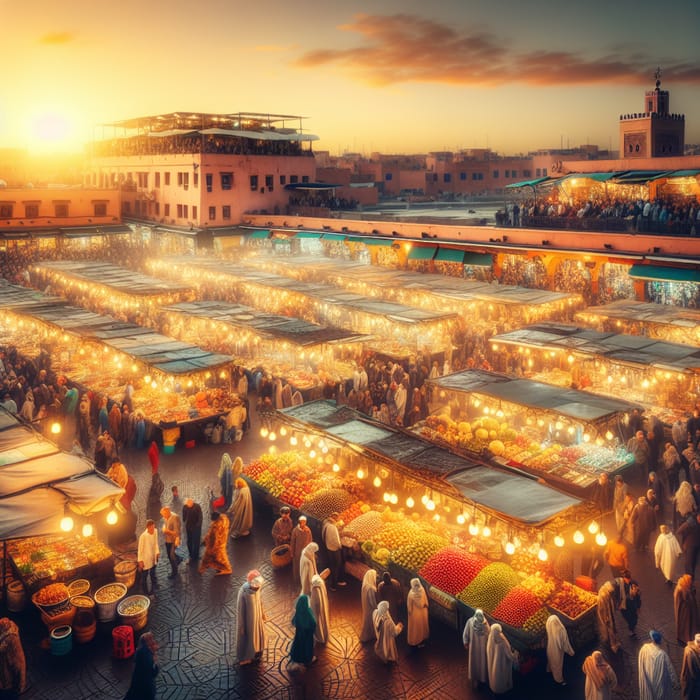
[(402, 78)]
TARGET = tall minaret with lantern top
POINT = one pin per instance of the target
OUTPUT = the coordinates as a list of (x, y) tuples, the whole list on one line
[(655, 132)]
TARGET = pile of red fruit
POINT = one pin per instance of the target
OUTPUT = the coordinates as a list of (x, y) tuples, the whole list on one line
[(518, 605), (452, 569)]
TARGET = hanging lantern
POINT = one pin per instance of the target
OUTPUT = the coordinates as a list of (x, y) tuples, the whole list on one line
[(410, 502), (593, 527), (559, 541), (66, 523), (578, 537), (87, 530)]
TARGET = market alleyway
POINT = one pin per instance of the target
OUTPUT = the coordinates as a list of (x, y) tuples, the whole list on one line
[(194, 620)]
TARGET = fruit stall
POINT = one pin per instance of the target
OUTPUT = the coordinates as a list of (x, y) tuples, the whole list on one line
[(667, 322), (172, 380), (565, 436), (395, 323), (476, 535), (305, 355), (106, 288), (659, 375)]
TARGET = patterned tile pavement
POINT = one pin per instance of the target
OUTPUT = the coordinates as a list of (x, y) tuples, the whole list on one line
[(193, 618)]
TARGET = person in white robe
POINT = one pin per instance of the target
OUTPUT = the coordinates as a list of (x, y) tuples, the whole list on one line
[(558, 644), (386, 631), (474, 638), (241, 513), (667, 553), (250, 627), (657, 678), (600, 678), (500, 657), (417, 606), (320, 609), (369, 605), (307, 567)]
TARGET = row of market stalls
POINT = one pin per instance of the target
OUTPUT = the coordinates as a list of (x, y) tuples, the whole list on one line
[(664, 377), (477, 536), (174, 381)]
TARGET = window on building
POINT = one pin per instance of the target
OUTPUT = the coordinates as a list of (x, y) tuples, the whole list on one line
[(538, 172), (507, 173), (157, 208), (179, 179), (100, 209), (447, 177), (463, 176), (142, 180), (495, 174), (305, 178), (166, 210), (157, 180), (212, 213), (388, 177), (209, 179), (137, 207), (61, 210), (226, 212), (527, 172), (293, 179), (6, 211), (126, 208), (226, 181), (179, 211), (283, 180), (195, 180), (514, 173), (544, 172), (186, 180), (194, 212), (253, 182), (167, 179), (185, 211), (270, 182), (474, 177), (31, 211)]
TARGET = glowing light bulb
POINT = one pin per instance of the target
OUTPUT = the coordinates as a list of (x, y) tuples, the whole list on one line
[(272, 436), (542, 554), (336, 468), (377, 482), (283, 431), (386, 497), (264, 432), (436, 517), (312, 453), (473, 529), (87, 530), (293, 441), (394, 499), (461, 519), (600, 539), (593, 527), (608, 435), (424, 498), (147, 379), (559, 541), (578, 537), (430, 504), (510, 548), (410, 502), (360, 473), (486, 532), (55, 428), (112, 517), (66, 523)]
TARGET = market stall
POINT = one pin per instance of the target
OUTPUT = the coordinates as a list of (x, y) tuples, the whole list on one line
[(659, 321), (173, 381), (663, 377), (106, 288), (477, 536), (305, 355), (564, 436), (402, 328)]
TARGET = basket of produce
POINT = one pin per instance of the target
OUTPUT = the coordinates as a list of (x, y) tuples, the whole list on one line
[(281, 556), (51, 598), (107, 598), (133, 611), (125, 572), (78, 587)]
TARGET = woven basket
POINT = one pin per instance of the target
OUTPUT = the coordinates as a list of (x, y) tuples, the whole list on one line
[(125, 572), (281, 556), (78, 587), (106, 611)]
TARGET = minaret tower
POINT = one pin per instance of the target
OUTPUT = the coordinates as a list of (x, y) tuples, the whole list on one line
[(655, 132)]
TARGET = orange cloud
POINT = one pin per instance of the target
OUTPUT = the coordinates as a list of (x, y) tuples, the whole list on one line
[(405, 48), (57, 38)]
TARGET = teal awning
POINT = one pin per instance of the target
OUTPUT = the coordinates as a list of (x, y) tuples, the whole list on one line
[(598, 177), (333, 237), (307, 234), (386, 242), (356, 239), (527, 183), (79, 231), (683, 173), (425, 252), (478, 259), (450, 255), (665, 274), (640, 177), (259, 234), (281, 241)]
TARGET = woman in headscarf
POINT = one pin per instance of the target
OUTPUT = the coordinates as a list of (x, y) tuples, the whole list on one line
[(690, 670), (241, 513), (13, 665), (558, 644), (250, 627), (319, 607), (600, 678), (369, 605), (143, 682), (683, 504), (685, 610), (474, 638), (417, 606), (385, 631), (225, 477), (307, 567), (215, 554), (304, 623), (500, 657)]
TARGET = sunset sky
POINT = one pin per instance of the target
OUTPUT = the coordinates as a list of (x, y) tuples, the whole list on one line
[(397, 76)]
